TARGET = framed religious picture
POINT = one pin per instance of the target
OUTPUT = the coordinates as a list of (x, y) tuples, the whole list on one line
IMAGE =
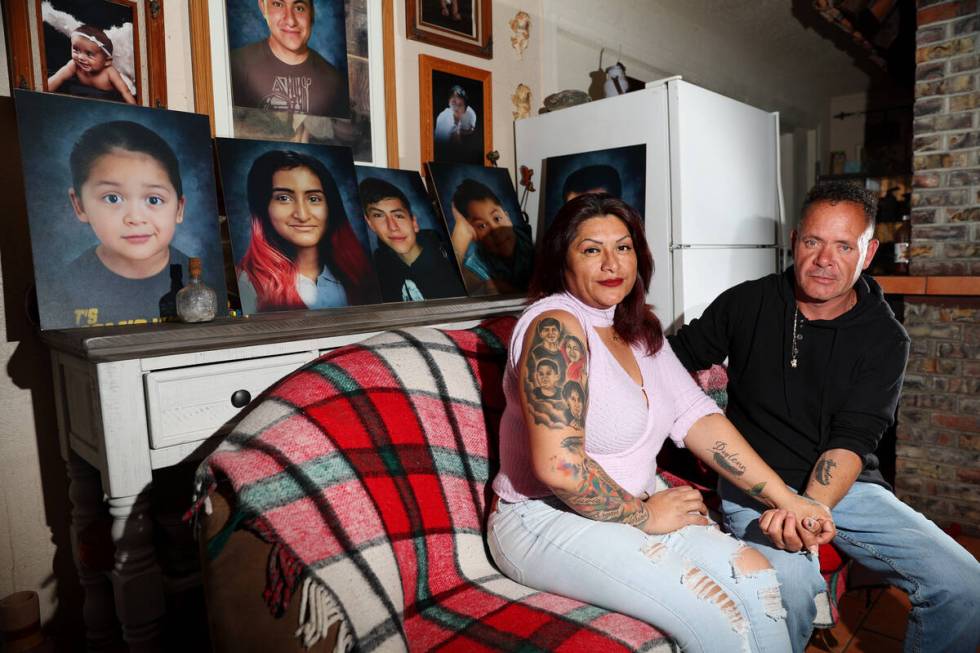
[(119, 199), (305, 71), (410, 246), (100, 49), (490, 237), (455, 112), (619, 171), (461, 25), (298, 237)]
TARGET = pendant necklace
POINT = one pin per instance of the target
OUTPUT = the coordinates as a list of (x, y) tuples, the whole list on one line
[(794, 346)]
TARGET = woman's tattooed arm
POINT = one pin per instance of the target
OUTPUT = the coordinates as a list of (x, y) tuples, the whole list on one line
[(555, 393)]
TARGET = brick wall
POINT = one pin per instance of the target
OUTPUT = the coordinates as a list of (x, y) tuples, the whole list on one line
[(938, 449)]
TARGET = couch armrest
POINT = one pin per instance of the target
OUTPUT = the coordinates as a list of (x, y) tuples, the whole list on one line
[(238, 618)]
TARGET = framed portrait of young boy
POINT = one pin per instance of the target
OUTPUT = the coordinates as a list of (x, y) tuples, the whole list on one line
[(455, 112), (119, 199), (410, 246), (490, 237), (99, 49)]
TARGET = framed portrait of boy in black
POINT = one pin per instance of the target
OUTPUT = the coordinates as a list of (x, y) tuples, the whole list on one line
[(455, 109)]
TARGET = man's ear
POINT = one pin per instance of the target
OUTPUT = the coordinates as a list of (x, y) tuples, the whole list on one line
[(870, 254), (415, 224), (793, 235), (76, 204)]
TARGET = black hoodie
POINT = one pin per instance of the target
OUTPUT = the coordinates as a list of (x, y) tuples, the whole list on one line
[(842, 394)]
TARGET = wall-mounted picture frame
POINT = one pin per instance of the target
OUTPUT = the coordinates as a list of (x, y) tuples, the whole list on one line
[(461, 25), (119, 199), (371, 128), (455, 112), (119, 48)]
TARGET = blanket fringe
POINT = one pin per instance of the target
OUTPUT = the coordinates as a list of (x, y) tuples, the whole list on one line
[(318, 610)]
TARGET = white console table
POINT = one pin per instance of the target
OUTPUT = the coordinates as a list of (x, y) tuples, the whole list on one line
[(133, 399)]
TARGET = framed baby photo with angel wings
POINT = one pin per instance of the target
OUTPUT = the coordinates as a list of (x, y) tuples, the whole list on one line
[(102, 49)]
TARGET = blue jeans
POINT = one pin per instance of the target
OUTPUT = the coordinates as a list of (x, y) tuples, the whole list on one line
[(685, 583), (899, 545)]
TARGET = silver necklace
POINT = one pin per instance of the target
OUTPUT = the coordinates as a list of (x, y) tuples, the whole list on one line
[(794, 357)]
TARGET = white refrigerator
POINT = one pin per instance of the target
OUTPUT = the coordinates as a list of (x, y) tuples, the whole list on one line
[(713, 210)]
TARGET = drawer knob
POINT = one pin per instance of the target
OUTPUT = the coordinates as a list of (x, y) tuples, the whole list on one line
[(240, 398)]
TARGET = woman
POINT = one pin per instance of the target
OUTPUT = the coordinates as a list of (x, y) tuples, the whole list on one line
[(579, 511), (303, 252)]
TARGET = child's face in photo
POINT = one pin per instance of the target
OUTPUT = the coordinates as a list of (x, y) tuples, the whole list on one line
[(298, 207), (393, 223), (494, 230), (87, 55), (131, 205), (546, 378), (290, 22)]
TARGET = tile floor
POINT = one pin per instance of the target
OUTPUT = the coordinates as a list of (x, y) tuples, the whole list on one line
[(873, 622)]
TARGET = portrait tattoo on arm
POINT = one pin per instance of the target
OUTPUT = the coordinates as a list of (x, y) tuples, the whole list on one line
[(822, 472), (554, 385)]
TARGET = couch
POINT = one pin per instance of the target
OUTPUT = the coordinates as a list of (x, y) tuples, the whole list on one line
[(348, 510)]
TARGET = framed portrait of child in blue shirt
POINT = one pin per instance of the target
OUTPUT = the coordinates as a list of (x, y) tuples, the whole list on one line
[(119, 197)]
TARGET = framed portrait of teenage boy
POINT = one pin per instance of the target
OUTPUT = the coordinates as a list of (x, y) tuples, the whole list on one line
[(102, 49), (302, 71), (455, 112), (461, 25)]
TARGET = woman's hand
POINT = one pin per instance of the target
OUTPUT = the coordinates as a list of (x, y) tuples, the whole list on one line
[(673, 509), (798, 523)]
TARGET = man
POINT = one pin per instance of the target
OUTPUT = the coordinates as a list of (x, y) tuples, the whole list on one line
[(816, 360), (282, 73), (412, 263)]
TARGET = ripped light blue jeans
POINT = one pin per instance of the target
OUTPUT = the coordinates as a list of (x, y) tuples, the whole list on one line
[(687, 583)]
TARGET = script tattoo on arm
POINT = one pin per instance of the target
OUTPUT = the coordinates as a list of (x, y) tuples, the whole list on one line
[(822, 472), (596, 495), (555, 398), (730, 461)]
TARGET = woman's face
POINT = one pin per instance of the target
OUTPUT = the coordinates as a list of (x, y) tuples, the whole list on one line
[(574, 350), (575, 404), (600, 264), (298, 207)]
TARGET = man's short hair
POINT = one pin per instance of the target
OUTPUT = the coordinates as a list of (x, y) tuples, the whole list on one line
[(372, 190), (548, 322), (596, 176), (835, 191), (472, 191)]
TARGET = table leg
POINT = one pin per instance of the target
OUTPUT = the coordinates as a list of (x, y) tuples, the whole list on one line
[(85, 493), (136, 578)]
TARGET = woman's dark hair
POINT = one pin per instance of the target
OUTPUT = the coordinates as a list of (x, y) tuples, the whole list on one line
[(99, 140), (339, 249), (633, 321)]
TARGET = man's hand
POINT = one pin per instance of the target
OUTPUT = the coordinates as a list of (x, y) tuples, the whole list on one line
[(800, 523), (673, 509)]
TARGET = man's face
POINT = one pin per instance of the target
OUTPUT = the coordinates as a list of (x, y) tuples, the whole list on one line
[(550, 334), (290, 22), (830, 249), (458, 106), (494, 230), (394, 224)]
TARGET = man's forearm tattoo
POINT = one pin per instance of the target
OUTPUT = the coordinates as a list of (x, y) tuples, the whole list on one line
[(727, 460), (822, 472), (595, 494), (555, 383)]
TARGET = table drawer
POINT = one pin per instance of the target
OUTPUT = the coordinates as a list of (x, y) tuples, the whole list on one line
[(191, 403)]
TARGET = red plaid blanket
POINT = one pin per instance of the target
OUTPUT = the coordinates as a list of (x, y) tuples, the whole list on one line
[(368, 471)]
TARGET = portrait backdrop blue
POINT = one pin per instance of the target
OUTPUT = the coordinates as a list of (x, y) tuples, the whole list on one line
[(49, 126), (630, 162), (246, 25)]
